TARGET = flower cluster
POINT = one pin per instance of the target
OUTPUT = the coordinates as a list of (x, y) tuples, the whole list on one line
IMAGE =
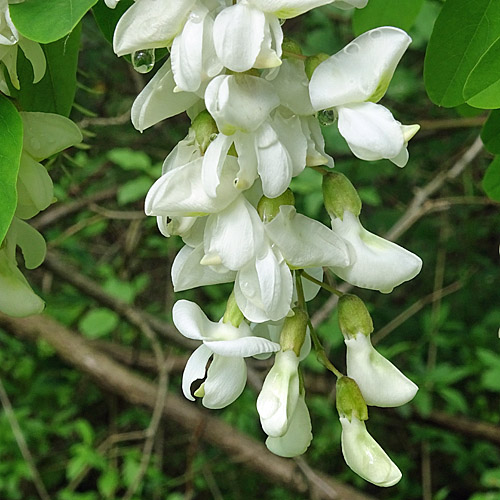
[(255, 104)]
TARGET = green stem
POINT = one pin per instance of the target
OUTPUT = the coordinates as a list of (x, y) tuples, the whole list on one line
[(318, 347), (322, 284)]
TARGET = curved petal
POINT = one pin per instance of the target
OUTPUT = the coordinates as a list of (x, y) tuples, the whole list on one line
[(226, 379), (187, 272), (30, 241), (157, 101), (365, 456), (297, 438), (240, 102), (190, 320), (195, 369), (361, 71), (285, 9), (371, 131), (238, 36), (305, 242), (315, 143), (380, 382), (279, 395), (270, 49), (376, 263), (35, 55), (214, 158), (149, 24), (243, 347)]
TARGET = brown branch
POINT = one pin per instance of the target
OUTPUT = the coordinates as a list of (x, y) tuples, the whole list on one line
[(452, 123), (115, 378)]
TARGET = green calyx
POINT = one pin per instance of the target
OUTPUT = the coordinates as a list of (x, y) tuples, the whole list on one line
[(339, 195), (232, 315), (313, 62), (294, 330), (354, 317), (350, 401), (205, 129), (269, 208), (290, 48)]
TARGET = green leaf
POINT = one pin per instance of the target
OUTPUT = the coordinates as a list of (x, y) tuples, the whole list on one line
[(98, 323), (55, 92), (463, 32), (134, 190), (490, 134), (482, 87), (46, 21), (491, 180), (129, 159), (11, 145), (399, 13), (107, 18), (108, 482)]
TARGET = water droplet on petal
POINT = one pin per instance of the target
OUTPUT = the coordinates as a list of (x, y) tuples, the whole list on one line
[(143, 60), (352, 48), (195, 17), (212, 137), (375, 34), (326, 117)]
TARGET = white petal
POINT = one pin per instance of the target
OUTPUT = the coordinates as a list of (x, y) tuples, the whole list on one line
[(279, 395), (376, 263), (275, 165), (226, 379), (158, 101), (214, 158), (238, 36), (243, 347), (297, 438), (285, 9), (247, 159), (359, 72), (365, 456), (305, 242), (45, 134), (187, 272), (292, 87), (234, 234), (380, 382), (371, 131), (315, 143), (190, 320), (240, 102), (270, 49), (150, 24), (195, 369), (180, 192), (35, 55)]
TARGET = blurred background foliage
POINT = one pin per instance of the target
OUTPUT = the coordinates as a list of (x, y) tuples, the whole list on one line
[(440, 329)]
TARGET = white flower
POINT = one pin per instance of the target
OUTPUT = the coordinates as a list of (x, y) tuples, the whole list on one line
[(365, 456), (352, 81), (279, 395), (298, 437), (380, 382), (376, 263), (226, 376)]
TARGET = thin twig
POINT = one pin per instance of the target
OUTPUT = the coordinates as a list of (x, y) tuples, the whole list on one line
[(21, 443)]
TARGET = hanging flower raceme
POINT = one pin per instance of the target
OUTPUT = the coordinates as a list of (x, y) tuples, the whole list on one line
[(227, 344), (376, 263), (352, 82)]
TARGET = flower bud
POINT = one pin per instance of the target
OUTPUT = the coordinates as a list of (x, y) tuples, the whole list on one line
[(293, 333), (232, 314), (354, 317), (268, 208), (204, 128), (290, 46), (350, 402), (313, 62), (365, 456), (339, 195)]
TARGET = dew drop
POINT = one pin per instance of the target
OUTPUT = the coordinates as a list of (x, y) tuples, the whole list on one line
[(212, 137), (352, 48), (143, 60), (375, 34), (326, 117)]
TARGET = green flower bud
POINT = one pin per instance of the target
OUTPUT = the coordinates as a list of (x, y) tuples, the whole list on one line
[(205, 129), (339, 195), (294, 331), (312, 62), (354, 317), (350, 402), (269, 208), (232, 314), (291, 47)]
